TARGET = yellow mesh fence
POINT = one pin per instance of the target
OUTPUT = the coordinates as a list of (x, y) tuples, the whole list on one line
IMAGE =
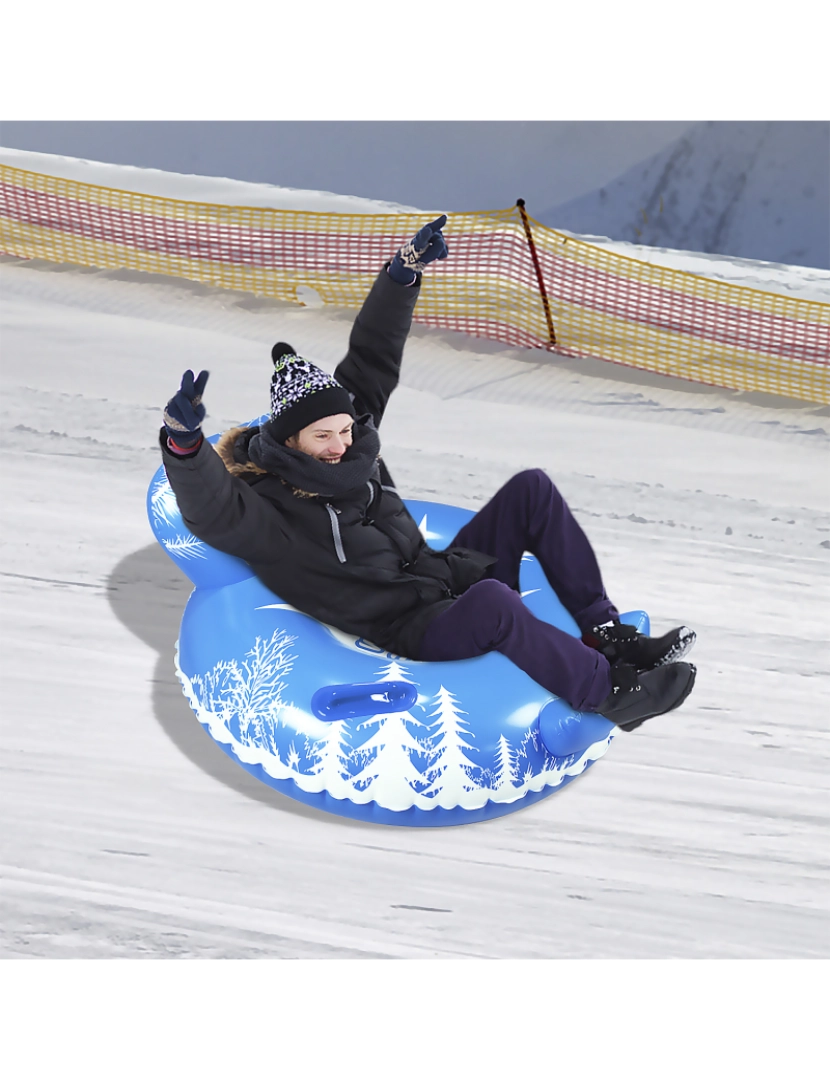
[(602, 304)]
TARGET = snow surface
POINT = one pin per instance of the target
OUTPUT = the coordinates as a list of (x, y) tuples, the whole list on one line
[(129, 833), (194, 188)]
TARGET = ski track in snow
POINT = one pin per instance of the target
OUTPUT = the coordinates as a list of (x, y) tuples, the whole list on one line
[(131, 834)]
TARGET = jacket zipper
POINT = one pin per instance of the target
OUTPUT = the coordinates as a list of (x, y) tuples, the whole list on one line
[(335, 532)]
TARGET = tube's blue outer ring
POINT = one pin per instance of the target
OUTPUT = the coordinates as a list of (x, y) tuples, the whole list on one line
[(473, 746)]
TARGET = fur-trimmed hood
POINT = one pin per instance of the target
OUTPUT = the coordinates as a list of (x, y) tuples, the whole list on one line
[(232, 448), (237, 463)]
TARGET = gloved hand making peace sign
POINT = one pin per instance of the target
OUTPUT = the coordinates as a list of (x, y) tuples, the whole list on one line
[(185, 412), (425, 247)]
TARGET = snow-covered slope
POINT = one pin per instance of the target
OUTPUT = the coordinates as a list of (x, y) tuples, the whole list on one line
[(757, 190), (129, 833), (193, 188)]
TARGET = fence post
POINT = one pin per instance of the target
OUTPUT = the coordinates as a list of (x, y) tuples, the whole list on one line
[(526, 222)]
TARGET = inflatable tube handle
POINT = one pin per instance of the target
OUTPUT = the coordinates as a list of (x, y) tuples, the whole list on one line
[(565, 732), (346, 700)]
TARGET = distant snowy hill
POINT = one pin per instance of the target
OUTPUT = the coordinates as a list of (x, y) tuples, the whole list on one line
[(757, 190)]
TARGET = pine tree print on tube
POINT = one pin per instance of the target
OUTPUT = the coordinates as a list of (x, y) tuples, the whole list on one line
[(389, 775), (451, 772)]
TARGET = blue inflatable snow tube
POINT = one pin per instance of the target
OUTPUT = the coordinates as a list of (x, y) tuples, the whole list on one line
[(342, 725)]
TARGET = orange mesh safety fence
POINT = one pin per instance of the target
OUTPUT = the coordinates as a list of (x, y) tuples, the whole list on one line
[(602, 304)]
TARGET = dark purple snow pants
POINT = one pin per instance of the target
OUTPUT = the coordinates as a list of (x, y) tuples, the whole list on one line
[(529, 514)]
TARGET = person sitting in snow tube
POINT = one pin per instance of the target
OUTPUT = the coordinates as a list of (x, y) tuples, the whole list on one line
[(306, 500)]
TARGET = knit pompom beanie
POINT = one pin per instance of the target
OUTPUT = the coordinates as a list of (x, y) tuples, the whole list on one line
[(301, 393)]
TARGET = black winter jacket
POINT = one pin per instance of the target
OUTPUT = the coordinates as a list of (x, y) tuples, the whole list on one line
[(357, 562)]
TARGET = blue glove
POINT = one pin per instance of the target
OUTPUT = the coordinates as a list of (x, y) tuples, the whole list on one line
[(425, 247), (185, 412)]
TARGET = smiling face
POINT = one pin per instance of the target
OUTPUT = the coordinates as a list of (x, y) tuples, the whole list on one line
[(326, 440)]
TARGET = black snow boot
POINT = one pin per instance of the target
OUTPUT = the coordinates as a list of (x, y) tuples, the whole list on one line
[(637, 697), (618, 642)]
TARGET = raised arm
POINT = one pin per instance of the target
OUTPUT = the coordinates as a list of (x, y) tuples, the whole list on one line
[(371, 368), (218, 508)]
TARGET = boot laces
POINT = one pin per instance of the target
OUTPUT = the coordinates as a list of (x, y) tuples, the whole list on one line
[(616, 632), (625, 678)]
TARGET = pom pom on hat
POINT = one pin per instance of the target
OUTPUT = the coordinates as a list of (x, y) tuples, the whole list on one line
[(282, 348)]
